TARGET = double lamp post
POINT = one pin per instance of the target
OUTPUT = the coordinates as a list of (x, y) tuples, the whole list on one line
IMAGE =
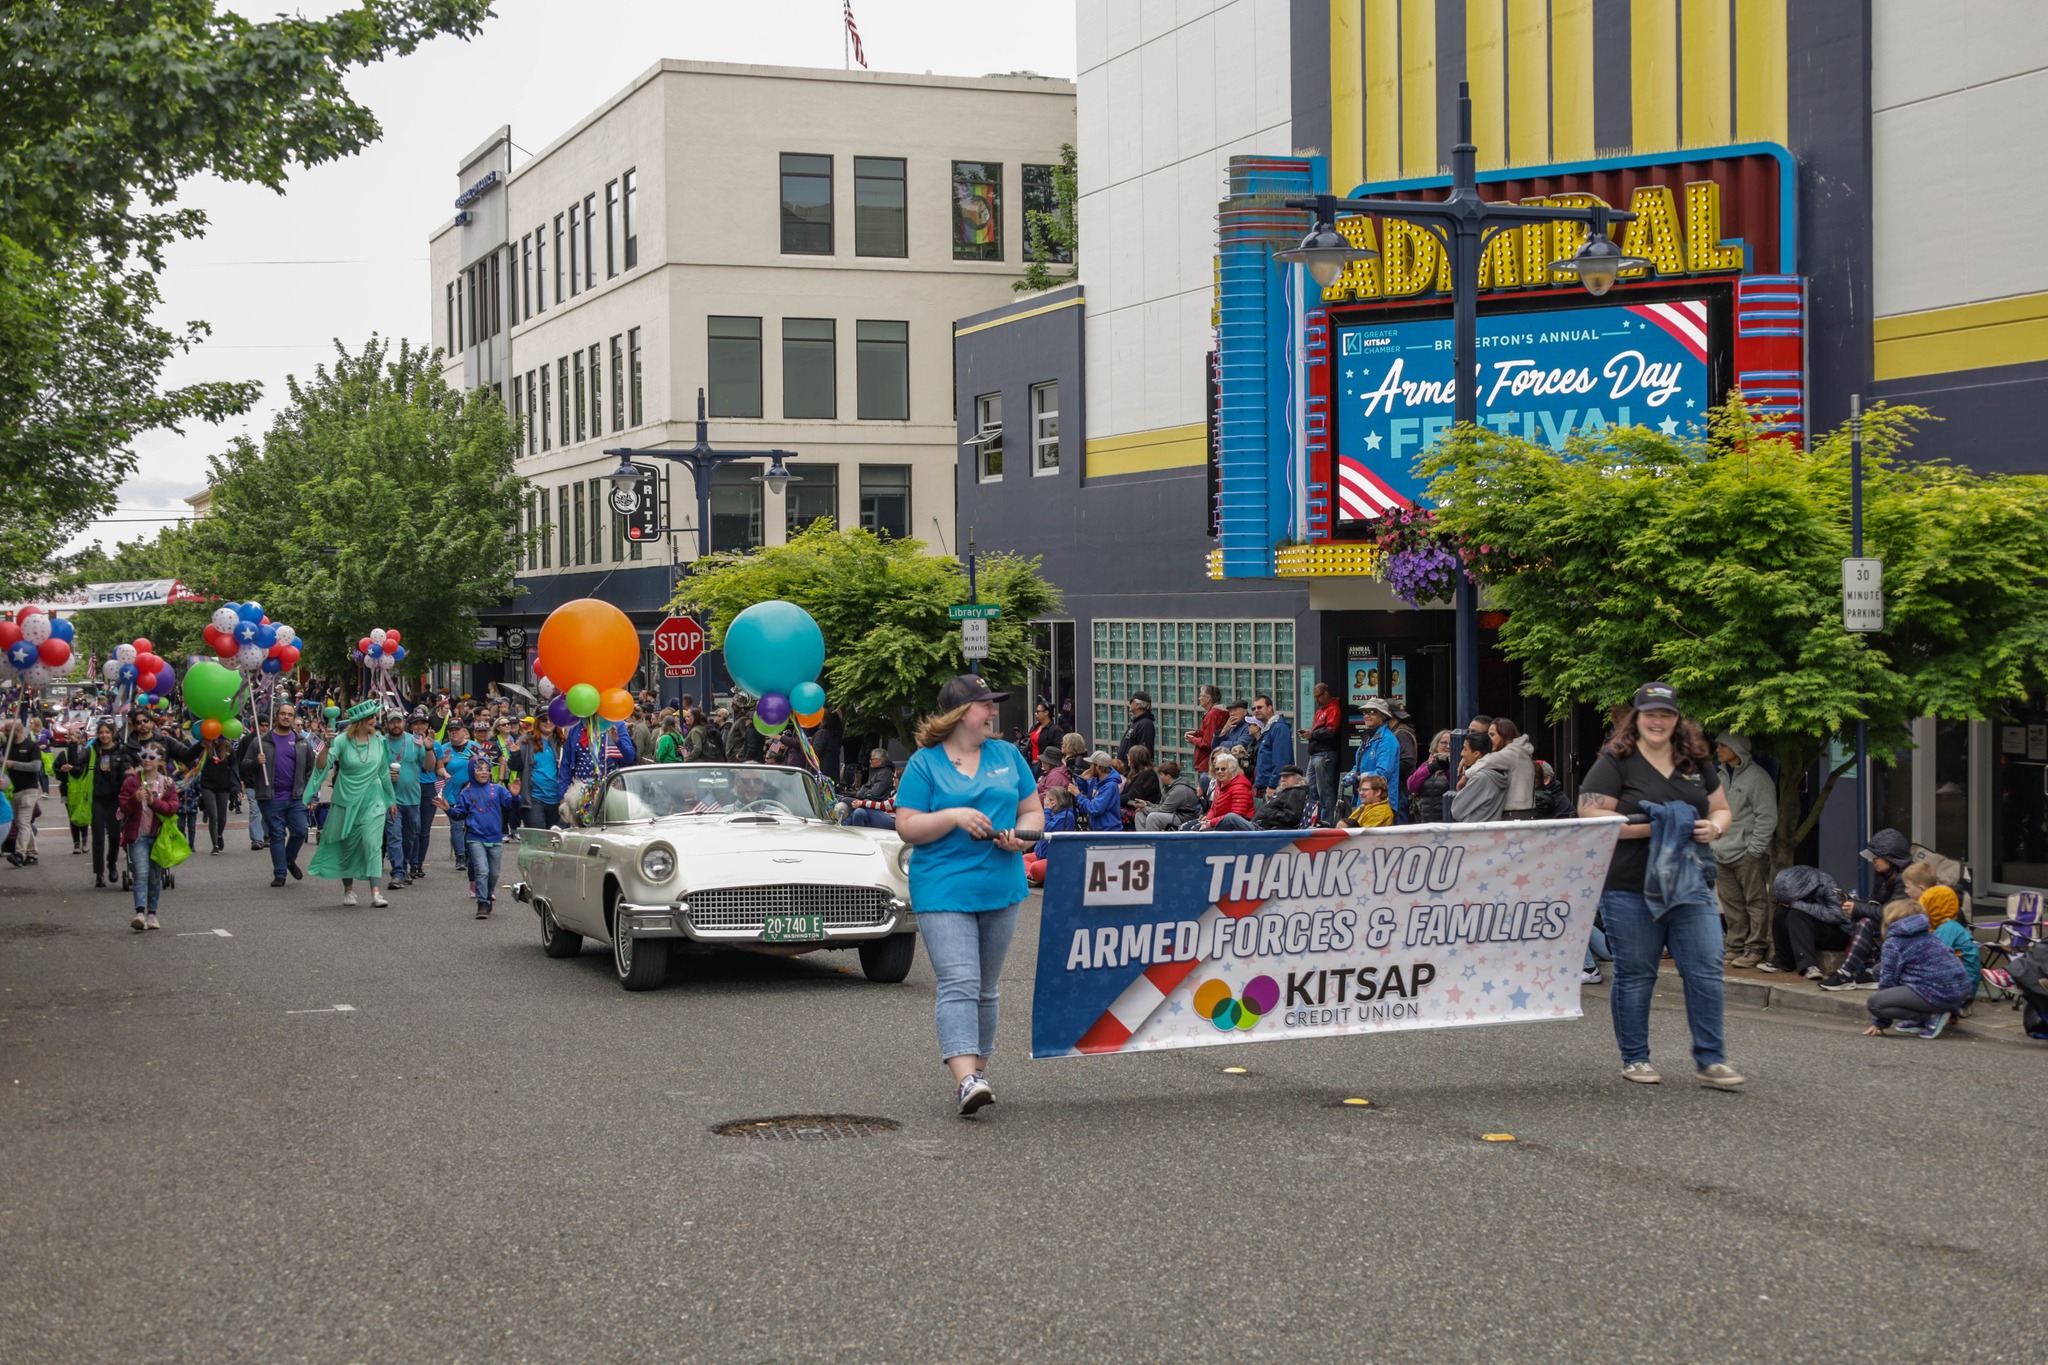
[(1466, 224)]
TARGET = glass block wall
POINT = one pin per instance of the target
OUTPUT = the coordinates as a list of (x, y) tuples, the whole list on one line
[(1171, 659)]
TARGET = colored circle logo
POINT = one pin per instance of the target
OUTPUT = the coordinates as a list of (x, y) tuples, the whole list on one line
[(1214, 1002)]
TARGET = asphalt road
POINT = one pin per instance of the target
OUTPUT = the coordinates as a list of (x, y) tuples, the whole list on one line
[(498, 1157)]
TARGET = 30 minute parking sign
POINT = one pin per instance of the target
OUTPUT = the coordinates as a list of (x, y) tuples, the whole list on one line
[(1863, 594)]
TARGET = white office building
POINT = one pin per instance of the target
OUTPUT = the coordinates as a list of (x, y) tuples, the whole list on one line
[(796, 244)]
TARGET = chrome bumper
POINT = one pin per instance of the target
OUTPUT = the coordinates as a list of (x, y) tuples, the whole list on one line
[(673, 921)]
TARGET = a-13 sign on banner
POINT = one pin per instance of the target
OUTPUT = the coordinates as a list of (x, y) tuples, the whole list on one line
[(1185, 940)]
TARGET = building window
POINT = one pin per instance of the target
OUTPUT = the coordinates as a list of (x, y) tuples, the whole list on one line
[(987, 440), (735, 507), (547, 533), (461, 333), (806, 205), (598, 510), (562, 380), (810, 375), (575, 251), (518, 400), (885, 500), (632, 183), (452, 340), (540, 268), (597, 390), (576, 501), (512, 283), (578, 359), (532, 520), (633, 363), (562, 248), (735, 367), (497, 294), (1045, 428), (618, 383), (532, 417), (590, 241), (977, 210), (1040, 197), (1172, 659), (526, 276), (816, 496), (611, 229), (562, 508), (880, 208), (547, 411), (881, 355)]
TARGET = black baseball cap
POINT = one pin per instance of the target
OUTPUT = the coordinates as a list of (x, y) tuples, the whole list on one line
[(968, 687), (1656, 696)]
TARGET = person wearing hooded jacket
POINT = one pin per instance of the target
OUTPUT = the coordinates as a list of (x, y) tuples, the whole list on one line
[(1920, 983), (1743, 854), (1514, 757)]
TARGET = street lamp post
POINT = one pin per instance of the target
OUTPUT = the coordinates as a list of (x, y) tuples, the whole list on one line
[(702, 461), (1467, 223)]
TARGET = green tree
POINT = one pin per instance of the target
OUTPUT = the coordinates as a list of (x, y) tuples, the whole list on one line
[(881, 603), (105, 111), (379, 497), (1054, 236), (1716, 565)]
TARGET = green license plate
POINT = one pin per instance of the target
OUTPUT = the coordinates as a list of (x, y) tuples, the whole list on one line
[(792, 928)]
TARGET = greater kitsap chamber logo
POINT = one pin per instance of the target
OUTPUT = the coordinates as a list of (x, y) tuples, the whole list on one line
[(1214, 1002)]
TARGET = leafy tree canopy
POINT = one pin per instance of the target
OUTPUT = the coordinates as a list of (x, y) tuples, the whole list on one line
[(881, 604), (379, 497), (1716, 564)]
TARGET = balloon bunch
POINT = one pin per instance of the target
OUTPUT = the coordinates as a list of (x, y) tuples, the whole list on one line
[(137, 666), (589, 651), (775, 650), (247, 640), (37, 646), (379, 650), (211, 693)]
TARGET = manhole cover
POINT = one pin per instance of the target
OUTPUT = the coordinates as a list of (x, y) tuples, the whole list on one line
[(32, 930), (807, 1128)]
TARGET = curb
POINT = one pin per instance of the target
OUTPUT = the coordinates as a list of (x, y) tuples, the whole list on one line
[(1986, 1024)]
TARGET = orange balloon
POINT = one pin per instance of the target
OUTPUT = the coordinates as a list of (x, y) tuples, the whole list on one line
[(588, 641), (616, 704), (210, 728), (816, 717)]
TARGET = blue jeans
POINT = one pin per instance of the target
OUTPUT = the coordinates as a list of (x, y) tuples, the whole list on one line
[(398, 822), (484, 861), (866, 818), (1235, 823), (458, 839), (1693, 934), (1322, 782), (149, 878), (967, 951), (420, 850), (278, 816)]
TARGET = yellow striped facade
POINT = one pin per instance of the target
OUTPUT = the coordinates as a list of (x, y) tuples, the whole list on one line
[(1972, 336), (1702, 73), (1142, 452)]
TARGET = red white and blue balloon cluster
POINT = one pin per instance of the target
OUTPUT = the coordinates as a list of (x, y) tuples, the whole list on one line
[(247, 640), (379, 651), (37, 646), (137, 668)]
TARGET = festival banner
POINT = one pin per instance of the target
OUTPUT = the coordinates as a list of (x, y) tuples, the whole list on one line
[(149, 592), (1187, 939)]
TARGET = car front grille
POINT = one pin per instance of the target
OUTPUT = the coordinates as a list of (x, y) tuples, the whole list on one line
[(746, 907)]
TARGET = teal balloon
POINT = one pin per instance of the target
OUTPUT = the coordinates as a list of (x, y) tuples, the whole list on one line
[(583, 700), (210, 690), (806, 698), (774, 647)]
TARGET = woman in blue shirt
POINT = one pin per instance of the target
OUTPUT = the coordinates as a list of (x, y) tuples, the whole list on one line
[(963, 802)]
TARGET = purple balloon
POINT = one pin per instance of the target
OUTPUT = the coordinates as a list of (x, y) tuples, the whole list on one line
[(559, 712), (772, 708)]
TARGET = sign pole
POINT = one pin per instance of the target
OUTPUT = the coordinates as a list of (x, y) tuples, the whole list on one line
[(1862, 725), (972, 600)]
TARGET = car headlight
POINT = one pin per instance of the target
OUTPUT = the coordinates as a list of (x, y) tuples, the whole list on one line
[(903, 852), (658, 863)]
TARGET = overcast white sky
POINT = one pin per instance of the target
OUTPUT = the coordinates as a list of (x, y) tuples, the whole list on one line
[(539, 65)]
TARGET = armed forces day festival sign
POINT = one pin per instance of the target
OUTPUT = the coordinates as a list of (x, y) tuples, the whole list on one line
[(1185, 940)]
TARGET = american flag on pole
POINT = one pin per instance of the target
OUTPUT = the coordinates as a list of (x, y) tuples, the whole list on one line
[(853, 35)]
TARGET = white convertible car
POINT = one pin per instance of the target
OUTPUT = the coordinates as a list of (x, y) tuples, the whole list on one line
[(714, 855)]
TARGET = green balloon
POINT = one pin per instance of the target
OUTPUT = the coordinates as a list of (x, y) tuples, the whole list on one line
[(767, 728), (210, 690), (231, 729), (583, 700)]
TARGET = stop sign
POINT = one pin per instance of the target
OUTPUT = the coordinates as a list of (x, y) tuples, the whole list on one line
[(678, 643)]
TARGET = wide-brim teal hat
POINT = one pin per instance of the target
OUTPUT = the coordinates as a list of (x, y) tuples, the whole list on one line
[(362, 710)]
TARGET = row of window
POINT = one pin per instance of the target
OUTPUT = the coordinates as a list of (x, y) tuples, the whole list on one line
[(987, 441), (567, 400), (810, 368), (1133, 656), (518, 277), (572, 524), (881, 206)]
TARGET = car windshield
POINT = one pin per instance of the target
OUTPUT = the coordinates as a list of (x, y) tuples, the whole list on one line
[(670, 789)]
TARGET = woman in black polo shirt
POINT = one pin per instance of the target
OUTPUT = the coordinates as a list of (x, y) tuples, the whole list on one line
[(1654, 756)]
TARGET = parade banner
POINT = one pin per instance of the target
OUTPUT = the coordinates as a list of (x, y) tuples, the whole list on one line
[(1187, 940), (148, 592)]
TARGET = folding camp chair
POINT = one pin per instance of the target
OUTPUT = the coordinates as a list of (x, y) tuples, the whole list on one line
[(2010, 938)]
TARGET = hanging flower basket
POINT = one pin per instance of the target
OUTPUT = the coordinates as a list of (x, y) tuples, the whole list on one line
[(1418, 561)]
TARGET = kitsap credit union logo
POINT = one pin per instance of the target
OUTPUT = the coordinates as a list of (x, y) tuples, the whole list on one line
[(1214, 1002)]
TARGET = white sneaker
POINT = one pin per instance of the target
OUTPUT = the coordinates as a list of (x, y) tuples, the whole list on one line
[(348, 898), (1721, 1076), (153, 922), (139, 923), (377, 899), (1590, 976), (975, 1092), (1642, 1073)]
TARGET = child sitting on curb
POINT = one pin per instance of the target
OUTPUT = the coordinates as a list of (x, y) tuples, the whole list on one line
[(1920, 983), (1944, 912)]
